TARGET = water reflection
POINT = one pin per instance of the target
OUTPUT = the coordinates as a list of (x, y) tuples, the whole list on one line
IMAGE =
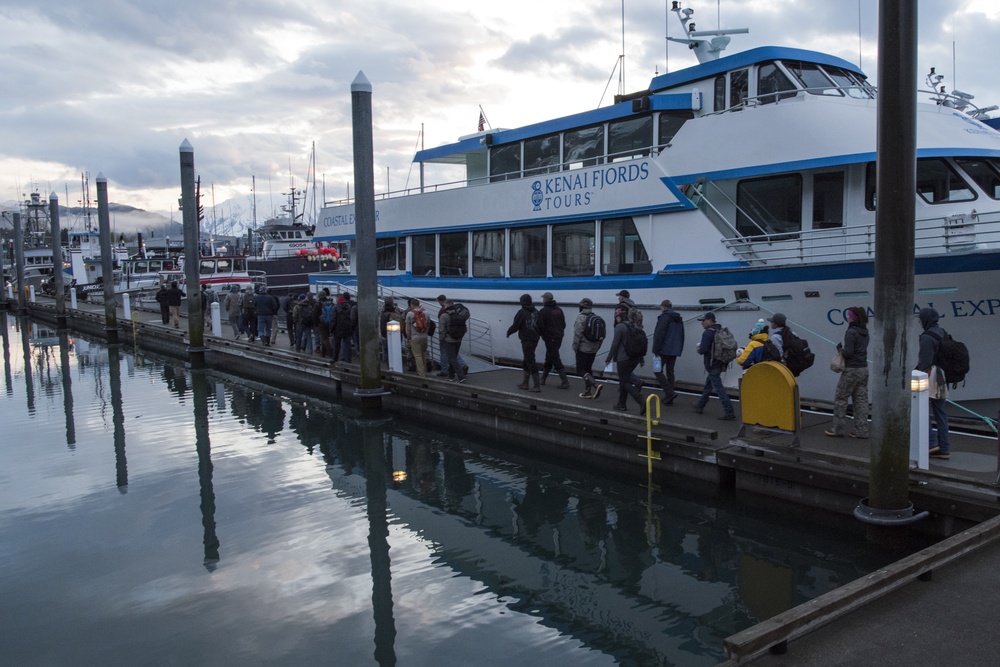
[(487, 549), (29, 393), (7, 371), (67, 385), (199, 385), (118, 417)]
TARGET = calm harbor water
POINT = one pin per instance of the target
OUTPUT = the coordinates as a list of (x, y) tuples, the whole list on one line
[(151, 515)]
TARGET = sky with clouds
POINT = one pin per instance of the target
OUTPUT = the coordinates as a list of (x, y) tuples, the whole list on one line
[(115, 86)]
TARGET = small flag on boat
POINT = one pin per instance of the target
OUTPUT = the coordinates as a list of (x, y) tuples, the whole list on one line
[(482, 121)]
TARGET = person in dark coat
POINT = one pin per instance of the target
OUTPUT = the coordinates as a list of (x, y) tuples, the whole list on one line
[(853, 383), (529, 337), (343, 330), (625, 364), (161, 298), (586, 350), (174, 297), (552, 328), (668, 344), (267, 306), (714, 369), (940, 447)]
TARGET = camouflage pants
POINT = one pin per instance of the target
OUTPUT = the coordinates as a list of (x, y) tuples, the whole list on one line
[(853, 386)]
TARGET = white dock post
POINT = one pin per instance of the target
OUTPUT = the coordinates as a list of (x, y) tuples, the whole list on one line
[(31, 293), (72, 298), (394, 340), (127, 306), (216, 320)]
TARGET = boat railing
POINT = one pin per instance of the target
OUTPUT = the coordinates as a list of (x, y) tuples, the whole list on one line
[(949, 234), (478, 342)]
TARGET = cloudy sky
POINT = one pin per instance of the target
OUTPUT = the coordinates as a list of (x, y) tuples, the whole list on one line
[(115, 86)]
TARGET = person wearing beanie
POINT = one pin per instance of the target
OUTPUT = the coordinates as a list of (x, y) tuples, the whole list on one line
[(586, 349), (552, 328), (713, 381), (668, 344), (525, 325), (753, 353), (853, 383)]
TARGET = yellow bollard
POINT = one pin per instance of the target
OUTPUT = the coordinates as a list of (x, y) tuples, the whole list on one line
[(650, 455)]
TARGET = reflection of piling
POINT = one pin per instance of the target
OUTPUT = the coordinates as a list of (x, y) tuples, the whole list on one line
[(199, 388), (58, 280), (67, 385), (118, 417), (189, 202), (8, 376), (107, 265), (25, 325), (364, 260), (19, 260), (376, 477), (894, 265)]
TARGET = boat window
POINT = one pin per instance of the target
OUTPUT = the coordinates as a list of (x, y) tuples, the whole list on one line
[(769, 205), (583, 148), (207, 266), (630, 138), (671, 122), (385, 254), (541, 155), (239, 264), (401, 252), (870, 182), (939, 183), (812, 78), (828, 200), (985, 172), (528, 252), (454, 254), (487, 254), (140, 267), (505, 162), (773, 85), (424, 251), (573, 248), (738, 88), (622, 251), (720, 93), (850, 83)]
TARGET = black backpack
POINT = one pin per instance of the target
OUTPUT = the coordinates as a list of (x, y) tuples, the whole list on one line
[(952, 357), (770, 352), (636, 342), (458, 315), (594, 328), (798, 357)]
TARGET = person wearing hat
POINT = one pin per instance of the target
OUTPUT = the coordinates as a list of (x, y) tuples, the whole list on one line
[(753, 353), (552, 328), (625, 363), (713, 382), (525, 325), (586, 349), (776, 329), (266, 306), (668, 344), (234, 310)]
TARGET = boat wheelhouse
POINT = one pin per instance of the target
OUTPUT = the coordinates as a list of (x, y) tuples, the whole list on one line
[(744, 184)]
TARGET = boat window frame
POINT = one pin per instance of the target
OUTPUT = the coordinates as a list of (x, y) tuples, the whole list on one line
[(756, 226), (491, 266), (563, 265), (424, 269), (453, 254), (535, 260), (951, 171), (992, 169), (623, 243)]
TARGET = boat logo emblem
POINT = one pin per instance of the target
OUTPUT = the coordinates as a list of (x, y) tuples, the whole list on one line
[(536, 195)]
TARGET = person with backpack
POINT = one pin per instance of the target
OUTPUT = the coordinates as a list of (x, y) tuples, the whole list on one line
[(794, 349), (418, 331), (589, 332), (714, 368), (668, 344), (853, 383), (324, 322), (937, 389), (777, 323), (756, 350), (305, 323), (287, 303), (454, 325), (448, 365), (234, 310), (628, 349), (343, 330), (173, 297), (161, 298), (526, 327), (266, 306), (248, 314), (552, 328)]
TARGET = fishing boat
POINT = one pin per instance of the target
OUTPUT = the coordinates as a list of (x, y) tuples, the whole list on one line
[(289, 253), (744, 184)]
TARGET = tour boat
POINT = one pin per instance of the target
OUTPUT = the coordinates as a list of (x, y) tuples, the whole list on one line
[(744, 184)]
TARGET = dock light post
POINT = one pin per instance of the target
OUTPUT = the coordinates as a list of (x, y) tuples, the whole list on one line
[(919, 416), (394, 341)]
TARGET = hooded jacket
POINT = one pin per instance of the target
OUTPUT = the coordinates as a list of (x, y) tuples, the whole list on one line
[(668, 336)]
